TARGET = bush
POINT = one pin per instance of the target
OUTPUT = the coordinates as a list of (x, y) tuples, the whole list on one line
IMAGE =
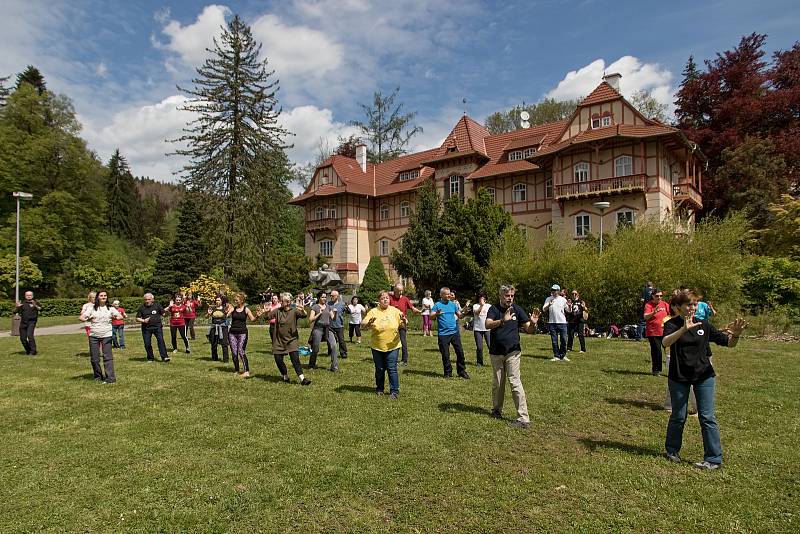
[(62, 307), (771, 282), (375, 281)]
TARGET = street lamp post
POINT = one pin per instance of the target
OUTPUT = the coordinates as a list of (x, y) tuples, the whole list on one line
[(602, 206), (19, 195)]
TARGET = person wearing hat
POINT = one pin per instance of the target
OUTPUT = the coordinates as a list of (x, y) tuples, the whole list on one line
[(556, 307), (118, 327)]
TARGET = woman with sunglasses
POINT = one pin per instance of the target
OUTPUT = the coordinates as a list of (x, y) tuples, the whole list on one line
[(690, 366), (655, 311), (99, 317)]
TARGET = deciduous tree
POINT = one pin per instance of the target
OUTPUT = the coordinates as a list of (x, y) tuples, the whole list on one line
[(386, 129)]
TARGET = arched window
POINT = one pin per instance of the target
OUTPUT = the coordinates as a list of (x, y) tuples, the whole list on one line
[(520, 192), (623, 166), (405, 208), (319, 213), (383, 212)]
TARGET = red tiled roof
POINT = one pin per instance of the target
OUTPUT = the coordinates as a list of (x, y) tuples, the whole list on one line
[(497, 147), (619, 130), (602, 93), (467, 138), (524, 142)]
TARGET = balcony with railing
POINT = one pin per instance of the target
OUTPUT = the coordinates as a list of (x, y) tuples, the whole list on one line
[(686, 192), (605, 186), (325, 223)]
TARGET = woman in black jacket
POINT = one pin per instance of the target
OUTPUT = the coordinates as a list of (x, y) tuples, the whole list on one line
[(690, 365)]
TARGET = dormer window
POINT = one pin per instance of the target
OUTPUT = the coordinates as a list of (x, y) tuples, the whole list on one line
[(595, 121), (409, 175), (517, 155), (606, 121), (325, 177)]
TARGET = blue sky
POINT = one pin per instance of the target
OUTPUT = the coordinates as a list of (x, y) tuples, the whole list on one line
[(120, 61)]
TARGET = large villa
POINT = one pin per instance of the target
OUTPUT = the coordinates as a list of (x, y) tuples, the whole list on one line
[(548, 177)]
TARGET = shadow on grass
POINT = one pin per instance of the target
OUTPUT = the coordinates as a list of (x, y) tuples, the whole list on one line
[(599, 444), (656, 407), (275, 379), (355, 389), (627, 372), (139, 359), (453, 407), (85, 376), (536, 356), (418, 372)]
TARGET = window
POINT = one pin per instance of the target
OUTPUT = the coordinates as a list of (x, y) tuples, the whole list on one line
[(606, 121), (383, 212), (455, 186), (332, 211), (530, 152), (409, 175), (595, 122), (581, 172), (383, 247), (324, 178), (548, 188), (405, 208), (319, 213), (326, 248), (624, 218), (623, 166), (492, 192), (520, 192), (581, 225), (521, 154)]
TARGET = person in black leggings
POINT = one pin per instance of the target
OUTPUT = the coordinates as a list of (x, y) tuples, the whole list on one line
[(285, 339), (237, 334), (655, 312), (218, 335)]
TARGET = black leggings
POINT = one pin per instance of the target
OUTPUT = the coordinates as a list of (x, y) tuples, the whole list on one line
[(572, 329), (294, 356), (172, 331), (655, 352), (190, 326), (354, 328)]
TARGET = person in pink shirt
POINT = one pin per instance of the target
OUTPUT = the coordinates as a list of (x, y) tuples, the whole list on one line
[(655, 311), (190, 314), (273, 305), (177, 322)]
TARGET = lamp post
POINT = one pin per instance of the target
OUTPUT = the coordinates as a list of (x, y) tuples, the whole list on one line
[(602, 206), (19, 195)]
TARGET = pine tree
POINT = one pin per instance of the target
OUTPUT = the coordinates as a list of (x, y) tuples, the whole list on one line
[(33, 76), (238, 112), (122, 199), (387, 129), (375, 281)]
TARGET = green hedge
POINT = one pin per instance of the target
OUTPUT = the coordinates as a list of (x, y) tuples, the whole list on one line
[(61, 307)]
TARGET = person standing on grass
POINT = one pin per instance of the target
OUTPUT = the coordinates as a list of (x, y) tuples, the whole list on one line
[(177, 323), (29, 314), (237, 334), (448, 313), (427, 304), (690, 366), (402, 303), (705, 311), (576, 321), (386, 322), (645, 295), (190, 314), (504, 321), (479, 330), (149, 316), (320, 318), (655, 312), (285, 340), (99, 318), (356, 310), (118, 327), (337, 322), (274, 304), (556, 307), (90, 298), (218, 335)]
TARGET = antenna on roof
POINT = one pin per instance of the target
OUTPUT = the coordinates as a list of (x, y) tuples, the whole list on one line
[(464, 101)]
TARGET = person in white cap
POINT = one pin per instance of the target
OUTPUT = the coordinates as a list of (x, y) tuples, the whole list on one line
[(556, 307)]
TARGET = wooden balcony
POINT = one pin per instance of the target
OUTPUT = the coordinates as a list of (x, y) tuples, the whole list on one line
[(326, 223), (686, 192), (605, 186)]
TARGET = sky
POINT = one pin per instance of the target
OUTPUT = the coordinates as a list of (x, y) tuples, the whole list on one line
[(121, 61)]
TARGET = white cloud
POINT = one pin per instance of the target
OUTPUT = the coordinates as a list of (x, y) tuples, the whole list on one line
[(310, 126), (635, 76), (101, 69), (191, 41)]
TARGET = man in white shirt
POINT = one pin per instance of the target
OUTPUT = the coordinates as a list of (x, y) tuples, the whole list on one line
[(556, 307)]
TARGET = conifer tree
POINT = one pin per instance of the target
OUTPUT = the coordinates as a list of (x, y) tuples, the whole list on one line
[(33, 76), (122, 198), (375, 281), (387, 129)]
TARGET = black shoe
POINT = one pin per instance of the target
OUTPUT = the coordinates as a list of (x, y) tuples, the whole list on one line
[(394, 396), (310, 366), (305, 382), (464, 375), (334, 369), (519, 424), (188, 351), (214, 359), (344, 357), (448, 375), (496, 414), (480, 364)]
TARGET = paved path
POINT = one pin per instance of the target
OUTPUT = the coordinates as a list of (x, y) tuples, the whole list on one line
[(76, 328)]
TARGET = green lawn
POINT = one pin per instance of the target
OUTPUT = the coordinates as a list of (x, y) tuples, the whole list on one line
[(188, 446)]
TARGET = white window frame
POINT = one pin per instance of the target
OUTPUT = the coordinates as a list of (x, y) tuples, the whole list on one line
[(492, 193), (548, 188), (324, 178), (409, 175), (405, 208), (623, 162), (595, 123), (627, 214), (583, 225), (529, 152), (580, 170), (605, 121), (332, 211), (383, 212), (454, 180), (319, 213), (515, 155), (383, 247), (519, 193), (325, 243)]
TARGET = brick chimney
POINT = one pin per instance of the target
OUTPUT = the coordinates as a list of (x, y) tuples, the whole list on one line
[(361, 156), (613, 80)]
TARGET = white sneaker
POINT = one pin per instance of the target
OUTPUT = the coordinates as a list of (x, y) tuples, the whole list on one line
[(554, 359), (582, 352), (175, 351), (565, 359)]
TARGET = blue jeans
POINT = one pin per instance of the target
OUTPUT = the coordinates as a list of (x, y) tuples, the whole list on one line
[(118, 336), (386, 362), (558, 337), (704, 393)]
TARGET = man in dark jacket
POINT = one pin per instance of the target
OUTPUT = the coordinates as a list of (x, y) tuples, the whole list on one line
[(29, 311)]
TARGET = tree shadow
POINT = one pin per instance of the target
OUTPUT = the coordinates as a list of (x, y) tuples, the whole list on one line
[(627, 372), (654, 406), (275, 379), (535, 356), (354, 389), (85, 376), (453, 407), (418, 372), (597, 444), (139, 359)]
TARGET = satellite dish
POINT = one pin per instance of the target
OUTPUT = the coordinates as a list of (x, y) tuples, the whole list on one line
[(526, 124), (524, 115)]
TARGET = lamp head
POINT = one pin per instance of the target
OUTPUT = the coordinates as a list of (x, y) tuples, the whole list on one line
[(22, 196)]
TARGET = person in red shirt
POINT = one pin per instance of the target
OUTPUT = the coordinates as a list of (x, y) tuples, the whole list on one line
[(192, 305), (401, 302), (655, 312), (118, 327), (177, 322)]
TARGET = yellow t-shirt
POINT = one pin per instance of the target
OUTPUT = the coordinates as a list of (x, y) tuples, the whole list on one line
[(385, 330)]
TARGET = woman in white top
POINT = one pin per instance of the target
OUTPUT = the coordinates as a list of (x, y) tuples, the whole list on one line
[(479, 330), (356, 310), (99, 318), (427, 304)]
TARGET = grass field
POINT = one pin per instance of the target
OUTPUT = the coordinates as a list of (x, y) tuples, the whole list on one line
[(188, 446)]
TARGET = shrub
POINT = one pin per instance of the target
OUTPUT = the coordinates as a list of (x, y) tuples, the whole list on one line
[(62, 307), (771, 282), (375, 281)]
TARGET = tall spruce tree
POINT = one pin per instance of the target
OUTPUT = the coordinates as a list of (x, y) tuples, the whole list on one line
[(386, 128), (234, 97), (122, 199), (33, 76)]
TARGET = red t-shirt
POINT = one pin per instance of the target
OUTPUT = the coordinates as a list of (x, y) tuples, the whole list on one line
[(655, 324), (117, 322), (191, 309), (402, 303), (177, 314)]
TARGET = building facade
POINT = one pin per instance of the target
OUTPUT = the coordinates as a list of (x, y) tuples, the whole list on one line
[(548, 177)]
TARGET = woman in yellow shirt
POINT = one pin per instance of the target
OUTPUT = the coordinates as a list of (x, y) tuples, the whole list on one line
[(385, 322)]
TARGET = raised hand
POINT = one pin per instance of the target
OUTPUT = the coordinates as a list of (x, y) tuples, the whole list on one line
[(509, 315), (736, 327), (690, 323), (370, 322), (403, 320)]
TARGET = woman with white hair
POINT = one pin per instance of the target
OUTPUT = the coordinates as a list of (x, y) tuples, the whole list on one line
[(118, 327), (285, 339)]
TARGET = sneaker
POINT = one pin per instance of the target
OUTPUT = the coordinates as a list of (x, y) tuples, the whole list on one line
[(403, 364), (379, 393), (673, 457), (555, 359), (285, 379), (109, 382), (496, 414), (582, 352), (188, 351), (656, 373), (394, 396), (174, 351), (334, 369), (151, 361), (519, 424), (166, 360), (464, 375), (448, 375), (305, 382), (565, 359), (707, 466), (246, 374)]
